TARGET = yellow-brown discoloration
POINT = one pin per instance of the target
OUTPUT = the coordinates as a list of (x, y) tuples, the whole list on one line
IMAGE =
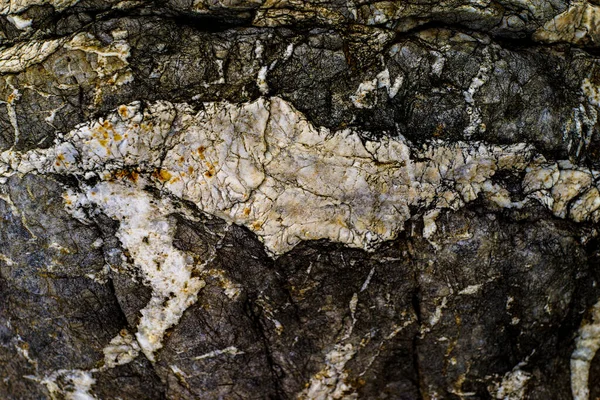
[(162, 175)]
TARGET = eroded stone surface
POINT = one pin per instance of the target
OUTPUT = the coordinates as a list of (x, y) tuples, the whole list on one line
[(298, 200)]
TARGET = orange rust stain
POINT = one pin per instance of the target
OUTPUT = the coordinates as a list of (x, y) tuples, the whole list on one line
[(211, 170), (11, 98), (201, 150), (256, 225), (161, 174), (457, 319), (103, 142), (123, 111), (190, 170), (247, 211), (132, 175), (118, 137)]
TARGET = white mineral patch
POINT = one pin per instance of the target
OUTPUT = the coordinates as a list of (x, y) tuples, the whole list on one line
[(329, 383), (556, 184), (587, 344), (22, 348), (438, 65), (122, 349), (13, 97), (221, 79), (231, 350), (7, 260), (17, 6), (109, 61), (261, 80), (362, 97), (475, 121), (20, 56), (352, 306), (512, 386), (437, 314), (288, 51), (471, 289), (145, 230), (429, 226), (383, 81), (359, 99), (74, 385), (258, 50), (20, 22), (231, 290), (365, 285), (395, 88), (578, 24)]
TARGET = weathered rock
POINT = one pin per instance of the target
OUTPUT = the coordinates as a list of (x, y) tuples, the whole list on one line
[(315, 200)]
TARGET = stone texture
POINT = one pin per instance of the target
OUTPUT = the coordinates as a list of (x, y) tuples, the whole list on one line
[(292, 199)]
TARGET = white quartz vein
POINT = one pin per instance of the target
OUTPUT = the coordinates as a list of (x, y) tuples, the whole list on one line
[(146, 231), (330, 382), (513, 385), (231, 350), (587, 344), (475, 121), (76, 384), (263, 165), (363, 97)]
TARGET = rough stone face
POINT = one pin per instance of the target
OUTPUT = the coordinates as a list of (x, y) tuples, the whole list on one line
[(291, 199)]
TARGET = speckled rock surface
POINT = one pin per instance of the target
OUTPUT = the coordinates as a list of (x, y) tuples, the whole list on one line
[(299, 200)]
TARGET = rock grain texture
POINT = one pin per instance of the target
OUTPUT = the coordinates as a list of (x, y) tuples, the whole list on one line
[(259, 199)]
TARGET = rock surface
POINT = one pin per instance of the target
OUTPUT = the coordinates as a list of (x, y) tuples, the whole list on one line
[(263, 199)]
